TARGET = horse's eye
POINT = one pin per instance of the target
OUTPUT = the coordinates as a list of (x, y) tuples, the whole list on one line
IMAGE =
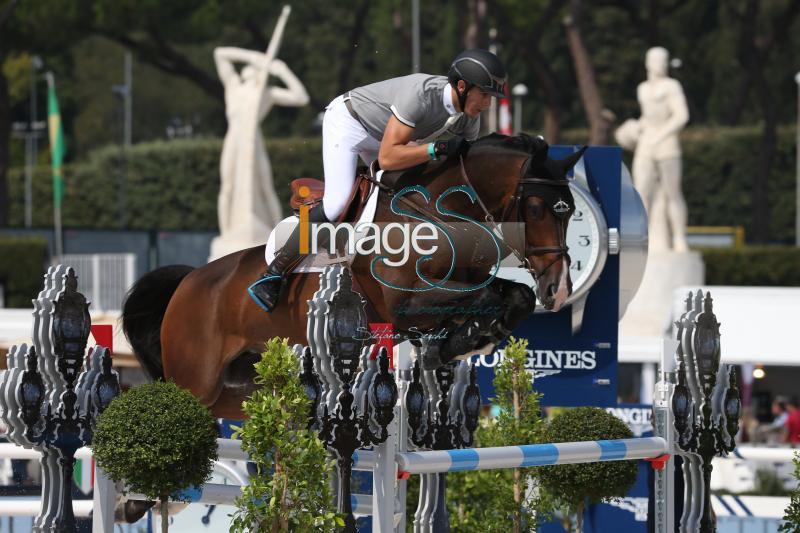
[(536, 211)]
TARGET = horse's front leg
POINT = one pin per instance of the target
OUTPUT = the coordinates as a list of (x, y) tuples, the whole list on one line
[(463, 316)]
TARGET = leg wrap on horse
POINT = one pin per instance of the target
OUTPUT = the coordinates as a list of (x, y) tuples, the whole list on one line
[(267, 289), (465, 337)]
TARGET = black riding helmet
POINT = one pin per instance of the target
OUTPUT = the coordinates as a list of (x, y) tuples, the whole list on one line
[(478, 68)]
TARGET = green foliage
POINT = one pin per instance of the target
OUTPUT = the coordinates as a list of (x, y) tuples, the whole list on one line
[(168, 186), (173, 185), (753, 266), (486, 500), (291, 488), (23, 262), (157, 438), (792, 517), (574, 485)]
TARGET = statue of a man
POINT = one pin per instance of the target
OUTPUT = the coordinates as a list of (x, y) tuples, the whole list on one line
[(657, 159), (248, 206)]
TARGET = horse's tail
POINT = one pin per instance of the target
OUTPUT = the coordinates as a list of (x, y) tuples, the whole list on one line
[(144, 310)]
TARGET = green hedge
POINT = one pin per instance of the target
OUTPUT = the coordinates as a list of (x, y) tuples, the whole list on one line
[(170, 185), (23, 262), (718, 168), (753, 266), (173, 185)]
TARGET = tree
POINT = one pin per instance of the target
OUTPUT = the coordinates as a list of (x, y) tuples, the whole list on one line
[(34, 26), (598, 117), (490, 500), (754, 47), (157, 439), (290, 490), (572, 486), (792, 516)]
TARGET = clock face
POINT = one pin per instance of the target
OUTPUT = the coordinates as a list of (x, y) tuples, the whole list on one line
[(587, 239), (583, 240)]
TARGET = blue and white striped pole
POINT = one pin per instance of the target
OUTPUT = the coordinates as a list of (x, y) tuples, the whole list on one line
[(530, 455)]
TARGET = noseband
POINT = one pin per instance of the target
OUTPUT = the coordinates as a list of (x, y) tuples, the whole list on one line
[(545, 189)]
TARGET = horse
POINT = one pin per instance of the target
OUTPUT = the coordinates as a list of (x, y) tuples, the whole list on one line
[(199, 328)]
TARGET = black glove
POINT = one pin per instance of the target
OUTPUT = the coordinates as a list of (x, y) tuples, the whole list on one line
[(450, 147)]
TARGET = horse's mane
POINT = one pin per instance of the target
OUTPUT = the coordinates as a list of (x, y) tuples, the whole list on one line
[(517, 143)]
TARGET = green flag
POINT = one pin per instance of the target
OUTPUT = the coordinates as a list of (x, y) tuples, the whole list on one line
[(57, 148)]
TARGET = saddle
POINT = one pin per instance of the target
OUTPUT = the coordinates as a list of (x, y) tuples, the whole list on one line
[(362, 189)]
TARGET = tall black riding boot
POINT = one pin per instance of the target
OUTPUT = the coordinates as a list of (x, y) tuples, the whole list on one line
[(267, 289)]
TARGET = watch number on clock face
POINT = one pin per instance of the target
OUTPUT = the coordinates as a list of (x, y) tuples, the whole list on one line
[(583, 238)]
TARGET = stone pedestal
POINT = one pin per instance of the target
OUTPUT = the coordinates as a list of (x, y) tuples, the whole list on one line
[(222, 246), (650, 312)]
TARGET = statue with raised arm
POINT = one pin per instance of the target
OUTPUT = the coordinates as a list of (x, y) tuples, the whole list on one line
[(248, 206), (657, 159)]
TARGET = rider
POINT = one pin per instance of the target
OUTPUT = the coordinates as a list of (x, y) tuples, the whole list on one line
[(398, 122)]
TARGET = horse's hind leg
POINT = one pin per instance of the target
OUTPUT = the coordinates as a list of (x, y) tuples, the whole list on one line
[(236, 384)]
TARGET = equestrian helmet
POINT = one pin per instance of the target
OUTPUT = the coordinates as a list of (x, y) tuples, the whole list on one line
[(479, 68)]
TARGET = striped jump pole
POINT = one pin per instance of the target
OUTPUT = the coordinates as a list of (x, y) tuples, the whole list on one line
[(530, 455)]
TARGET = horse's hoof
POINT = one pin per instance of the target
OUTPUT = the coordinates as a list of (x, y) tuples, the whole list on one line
[(430, 358), (131, 511)]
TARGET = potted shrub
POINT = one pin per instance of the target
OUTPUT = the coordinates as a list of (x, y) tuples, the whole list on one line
[(157, 439), (290, 490), (573, 486)]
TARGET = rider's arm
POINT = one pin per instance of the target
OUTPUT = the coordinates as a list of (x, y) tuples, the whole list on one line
[(294, 94), (395, 152)]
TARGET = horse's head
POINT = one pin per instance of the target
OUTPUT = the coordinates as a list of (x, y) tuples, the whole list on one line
[(545, 206)]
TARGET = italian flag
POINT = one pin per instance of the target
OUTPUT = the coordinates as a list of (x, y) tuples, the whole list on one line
[(57, 148)]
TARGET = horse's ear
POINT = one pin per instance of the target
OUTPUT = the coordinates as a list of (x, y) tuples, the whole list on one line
[(568, 162), (540, 148)]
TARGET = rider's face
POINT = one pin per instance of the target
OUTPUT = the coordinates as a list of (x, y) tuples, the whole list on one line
[(477, 101)]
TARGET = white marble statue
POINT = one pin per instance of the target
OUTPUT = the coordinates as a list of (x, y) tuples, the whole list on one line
[(248, 206), (657, 178), (657, 157)]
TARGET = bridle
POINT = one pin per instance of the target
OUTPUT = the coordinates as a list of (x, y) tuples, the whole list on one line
[(525, 189)]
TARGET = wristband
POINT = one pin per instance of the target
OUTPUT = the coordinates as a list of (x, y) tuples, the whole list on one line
[(432, 151)]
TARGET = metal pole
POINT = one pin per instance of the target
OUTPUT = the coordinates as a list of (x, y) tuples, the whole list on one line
[(128, 98), (519, 92), (492, 118), (797, 156), (415, 53), (29, 161)]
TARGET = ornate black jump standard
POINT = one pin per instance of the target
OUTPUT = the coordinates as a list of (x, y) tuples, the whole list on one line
[(443, 413), (706, 400), (343, 375), (52, 405)]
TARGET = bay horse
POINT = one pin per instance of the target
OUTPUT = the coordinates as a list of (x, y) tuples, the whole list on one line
[(198, 327)]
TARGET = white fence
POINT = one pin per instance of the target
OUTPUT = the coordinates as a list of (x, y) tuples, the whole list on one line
[(104, 278)]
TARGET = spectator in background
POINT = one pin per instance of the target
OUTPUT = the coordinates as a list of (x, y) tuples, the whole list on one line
[(775, 431), (793, 422)]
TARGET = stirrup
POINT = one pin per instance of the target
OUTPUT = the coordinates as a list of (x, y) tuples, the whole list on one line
[(259, 281)]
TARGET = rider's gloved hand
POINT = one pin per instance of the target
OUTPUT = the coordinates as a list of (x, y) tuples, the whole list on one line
[(450, 147)]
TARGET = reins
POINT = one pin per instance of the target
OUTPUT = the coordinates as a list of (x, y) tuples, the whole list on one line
[(562, 247)]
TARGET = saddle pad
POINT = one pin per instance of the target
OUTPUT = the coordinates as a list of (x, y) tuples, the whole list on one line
[(320, 261)]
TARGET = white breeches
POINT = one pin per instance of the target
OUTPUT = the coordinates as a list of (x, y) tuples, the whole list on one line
[(344, 140)]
